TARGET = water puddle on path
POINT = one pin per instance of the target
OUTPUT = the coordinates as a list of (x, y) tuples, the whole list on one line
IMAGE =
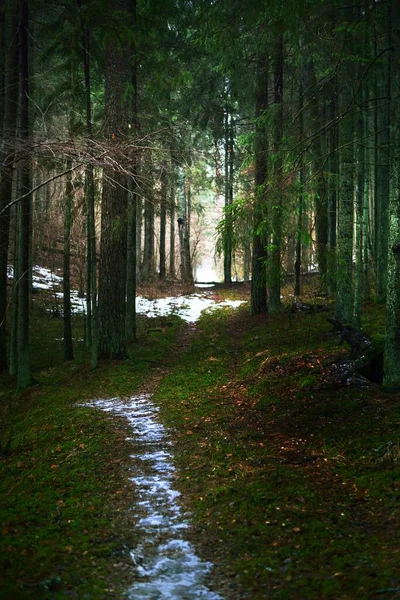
[(166, 563)]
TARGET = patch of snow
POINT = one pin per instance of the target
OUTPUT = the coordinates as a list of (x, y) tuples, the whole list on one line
[(166, 564), (78, 304), (188, 308), (204, 285), (45, 279)]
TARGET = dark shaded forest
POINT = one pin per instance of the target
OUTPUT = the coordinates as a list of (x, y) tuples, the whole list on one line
[(147, 147)]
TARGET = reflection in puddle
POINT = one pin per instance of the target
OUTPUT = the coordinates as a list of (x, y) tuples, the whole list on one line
[(167, 566)]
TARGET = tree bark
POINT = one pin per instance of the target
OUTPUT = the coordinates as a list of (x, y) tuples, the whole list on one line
[(131, 265), (68, 349), (113, 250), (276, 246), (258, 297), (344, 293), (24, 377), (7, 171), (148, 250), (163, 222), (332, 191), (299, 232), (172, 269), (392, 347), (382, 175)]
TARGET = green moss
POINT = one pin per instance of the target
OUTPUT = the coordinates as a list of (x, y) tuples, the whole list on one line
[(65, 498), (279, 467)]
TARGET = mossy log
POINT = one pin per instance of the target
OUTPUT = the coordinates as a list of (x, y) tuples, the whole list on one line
[(362, 366)]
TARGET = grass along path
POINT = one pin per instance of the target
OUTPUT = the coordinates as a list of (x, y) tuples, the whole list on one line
[(294, 483)]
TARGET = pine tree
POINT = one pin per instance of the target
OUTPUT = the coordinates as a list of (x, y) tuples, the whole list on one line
[(113, 249), (7, 159), (24, 377), (392, 347)]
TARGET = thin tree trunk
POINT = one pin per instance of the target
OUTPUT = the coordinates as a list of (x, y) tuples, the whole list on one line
[(131, 265), (299, 232), (320, 200), (139, 224), (382, 177), (227, 234), (91, 254), (163, 222), (344, 294), (332, 194), (9, 124), (359, 214), (392, 347), (186, 266), (172, 213), (24, 377), (276, 247), (148, 251), (131, 275), (258, 297), (13, 364), (68, 350)]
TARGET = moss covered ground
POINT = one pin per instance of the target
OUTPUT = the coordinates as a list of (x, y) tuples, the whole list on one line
[(292, 481), (65, 494)]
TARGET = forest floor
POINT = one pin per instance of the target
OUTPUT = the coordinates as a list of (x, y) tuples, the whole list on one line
[(292, 481)]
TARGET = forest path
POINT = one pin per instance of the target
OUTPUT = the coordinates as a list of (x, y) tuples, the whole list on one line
[(166, 565)]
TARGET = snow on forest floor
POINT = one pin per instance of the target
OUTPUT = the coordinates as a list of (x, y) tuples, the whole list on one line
[(188, 307), (167, 567)]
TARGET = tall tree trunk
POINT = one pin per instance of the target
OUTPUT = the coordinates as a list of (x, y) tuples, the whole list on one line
[(13, 363), (392, 347), (68, 350), (91, 256), (172, 213), (131, 274), (184, 242), (6, 166), (359, 215), (131, 264), (299, 232), (148, 251), (113, 250), (227, 234), (163, 222), (3, 66), (139, 224), (276, 247), (258, 297), (320, 200), (332, 191), (24, 377), (382, 176), (344, 294)]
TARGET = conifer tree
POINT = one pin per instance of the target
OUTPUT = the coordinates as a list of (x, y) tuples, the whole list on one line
[(113, 248)]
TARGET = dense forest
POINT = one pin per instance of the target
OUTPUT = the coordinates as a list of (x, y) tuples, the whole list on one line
[(141, 138), (116, 115)]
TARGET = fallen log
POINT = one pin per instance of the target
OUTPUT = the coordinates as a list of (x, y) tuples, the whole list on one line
[(362, 367)]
